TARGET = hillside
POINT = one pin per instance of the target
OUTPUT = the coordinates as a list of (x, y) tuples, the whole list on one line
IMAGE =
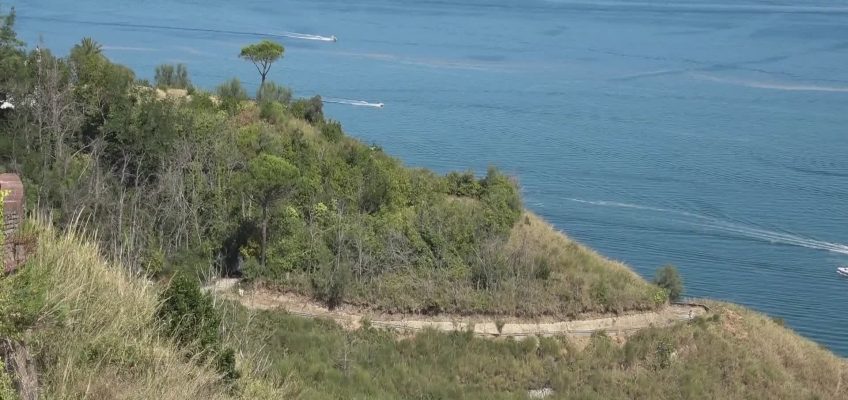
[(733, 354), (271, 190), (175, 189), (93, 333), (91, 330)]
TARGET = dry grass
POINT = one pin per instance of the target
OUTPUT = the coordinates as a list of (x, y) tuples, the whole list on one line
[(733, 354), (96, 335)]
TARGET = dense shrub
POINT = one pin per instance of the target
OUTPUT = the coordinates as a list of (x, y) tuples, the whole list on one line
[(170, 76), (669, 279), (189, 316), (231, 94), (271, 92), (312, 109), (464, 184), (332, 131)]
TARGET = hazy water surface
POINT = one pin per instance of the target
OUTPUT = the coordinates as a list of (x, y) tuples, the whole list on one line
[(708, 134)]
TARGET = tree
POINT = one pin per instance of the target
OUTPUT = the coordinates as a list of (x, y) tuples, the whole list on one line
[(11, 54), (669, 279), (168, 76), (262, 55), (88, 47), (271, 178)]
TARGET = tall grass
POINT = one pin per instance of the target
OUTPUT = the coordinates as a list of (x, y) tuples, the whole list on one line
[(93, 329), (735, 354)]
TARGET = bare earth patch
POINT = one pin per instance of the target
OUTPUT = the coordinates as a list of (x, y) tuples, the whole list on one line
[(351, 317)]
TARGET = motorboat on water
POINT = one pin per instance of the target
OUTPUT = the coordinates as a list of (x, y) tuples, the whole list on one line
[(842, 270)]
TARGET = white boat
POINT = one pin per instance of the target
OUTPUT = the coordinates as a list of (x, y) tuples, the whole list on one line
[(842, 271)]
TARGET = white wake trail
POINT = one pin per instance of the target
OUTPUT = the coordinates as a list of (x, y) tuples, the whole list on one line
[(360, 103), (306, 36), (733, 228)]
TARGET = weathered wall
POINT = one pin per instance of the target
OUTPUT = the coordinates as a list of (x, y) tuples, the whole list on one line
[(13, 214)]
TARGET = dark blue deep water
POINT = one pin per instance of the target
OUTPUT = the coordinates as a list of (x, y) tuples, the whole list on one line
[(708, 134)]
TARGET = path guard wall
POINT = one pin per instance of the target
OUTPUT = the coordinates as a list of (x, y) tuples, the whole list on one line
[(14, 252)]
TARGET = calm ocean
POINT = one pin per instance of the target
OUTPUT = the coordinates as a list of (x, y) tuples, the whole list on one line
[(712, 135)]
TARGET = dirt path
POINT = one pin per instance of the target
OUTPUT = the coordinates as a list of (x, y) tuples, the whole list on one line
[(351, 317)]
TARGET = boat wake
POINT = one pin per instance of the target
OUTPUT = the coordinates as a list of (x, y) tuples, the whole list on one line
[(740, 230), (291, 35), (360, 103), (306, 36), (792, 87)]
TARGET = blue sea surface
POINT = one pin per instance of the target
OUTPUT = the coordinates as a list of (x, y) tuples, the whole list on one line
[(712, 135)]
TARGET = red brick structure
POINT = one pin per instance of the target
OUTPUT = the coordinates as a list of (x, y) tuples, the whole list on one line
[(14, 252)]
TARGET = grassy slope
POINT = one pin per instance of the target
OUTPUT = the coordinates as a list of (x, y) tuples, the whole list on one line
[(91, 327), (737, 354), (580, 281), (93, 332)]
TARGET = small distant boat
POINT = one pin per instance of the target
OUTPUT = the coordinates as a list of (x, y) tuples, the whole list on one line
[(842, 271), (335, 39)]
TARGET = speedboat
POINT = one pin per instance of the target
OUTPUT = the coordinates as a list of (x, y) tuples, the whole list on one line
[(842, 271)]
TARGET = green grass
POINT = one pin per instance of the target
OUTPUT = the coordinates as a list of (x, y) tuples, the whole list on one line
[(92, 330), (736, 354)]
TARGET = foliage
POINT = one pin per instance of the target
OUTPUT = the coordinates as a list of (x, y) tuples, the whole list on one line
[(754, 358), (170, 76), (669, 279), (271, 190), (263, 55), (271, 92), (231, 94), (189, 317), (7, 387), (311, 110), (3, 195), (92, 327)]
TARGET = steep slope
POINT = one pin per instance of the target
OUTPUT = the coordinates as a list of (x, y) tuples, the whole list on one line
[(92, 330)]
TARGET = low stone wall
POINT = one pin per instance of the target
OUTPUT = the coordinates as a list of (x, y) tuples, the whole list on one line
[(14, 249)]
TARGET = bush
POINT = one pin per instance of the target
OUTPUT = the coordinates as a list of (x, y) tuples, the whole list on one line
[(669, 279), (332, 131), (189, 316), (330, 283), (311, 110), (271, 92), (463, 184), (502, 200), (231, 94), (272, 111), (170, 76)]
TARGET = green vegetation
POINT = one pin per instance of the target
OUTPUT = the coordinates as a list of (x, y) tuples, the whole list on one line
[(272, 190), (92, 329), (178, 188), (189, 316), (669, 279), (263, 55), (170, 76), (733, 354)]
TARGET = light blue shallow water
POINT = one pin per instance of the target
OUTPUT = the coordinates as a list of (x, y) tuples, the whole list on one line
[(711, 135)]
